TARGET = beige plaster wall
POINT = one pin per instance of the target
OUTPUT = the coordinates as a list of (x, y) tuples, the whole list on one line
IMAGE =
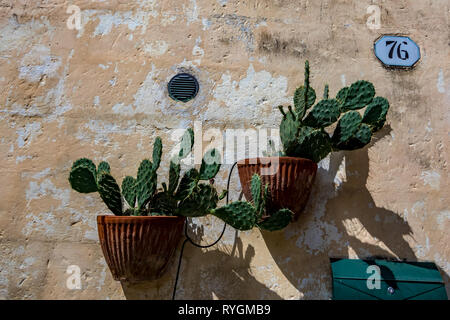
[(100, 92)]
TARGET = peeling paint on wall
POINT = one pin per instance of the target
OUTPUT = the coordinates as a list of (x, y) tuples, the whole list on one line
[(101, 92)]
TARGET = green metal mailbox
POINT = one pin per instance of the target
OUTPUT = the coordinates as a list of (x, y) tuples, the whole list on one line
[(386, 280)]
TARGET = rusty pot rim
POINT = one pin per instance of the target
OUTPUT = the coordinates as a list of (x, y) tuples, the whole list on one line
[(257, 160), (136, 219)]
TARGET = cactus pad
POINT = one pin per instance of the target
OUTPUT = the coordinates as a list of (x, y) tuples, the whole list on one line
[(358, 95), (256, 191), (323, 114), (146, 183), (210, 165), (240, 215), (342, 95), (174, 176), (110, 193), (187, 142), (82, 176), (299, 100), (375, 114), (312, 144), (288, 131), (362, 137), (157, 153), (200, 202), (103, 167), (326, 92), (347, 126), (163, 203), (277, 221), (129, 190), (187, 184)]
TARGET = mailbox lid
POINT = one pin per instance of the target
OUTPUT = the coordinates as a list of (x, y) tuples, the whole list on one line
[(398, 280), (390, 270)]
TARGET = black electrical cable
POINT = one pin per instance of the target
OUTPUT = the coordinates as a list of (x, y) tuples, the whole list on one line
[(188, 239)]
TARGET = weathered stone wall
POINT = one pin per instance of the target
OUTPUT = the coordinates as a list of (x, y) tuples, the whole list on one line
[(100, 92)]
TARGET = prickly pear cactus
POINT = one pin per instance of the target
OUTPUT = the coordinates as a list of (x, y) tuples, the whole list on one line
[(129, 190), (245, 215), (163, 203), (83, 176), (103, 167), (186, 197), (145, 183), (277, 221), (187, 184), (240, 215), (157, 153), (210, 165), (110, 193), (200, 203), (174, 176), (303, 134)]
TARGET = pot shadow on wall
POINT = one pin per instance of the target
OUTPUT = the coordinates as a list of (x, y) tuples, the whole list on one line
[(342, 223), (206, 274)]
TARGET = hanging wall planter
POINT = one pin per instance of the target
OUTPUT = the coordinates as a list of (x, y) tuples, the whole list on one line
[(140, 239), (289, 186), (139, 248), (306, 142)]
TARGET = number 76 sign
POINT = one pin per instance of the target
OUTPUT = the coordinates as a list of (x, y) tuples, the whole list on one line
[(397, 51)]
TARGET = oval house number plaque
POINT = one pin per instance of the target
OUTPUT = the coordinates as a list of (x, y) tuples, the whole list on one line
[(397, 51)]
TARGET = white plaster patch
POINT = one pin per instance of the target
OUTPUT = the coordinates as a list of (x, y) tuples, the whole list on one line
[(442, 218), (192, 12), (441, 82), (431, 178), (150, 94), (37, 63), (20, 159), (197, 51), (206, 23), (42, 223), (156, 48), (341, 175), (132, 20), (26, 134), (47, 188), (14, 35), (38, 175), (245, 100), (123, 109), (314, 287), (103, 130)]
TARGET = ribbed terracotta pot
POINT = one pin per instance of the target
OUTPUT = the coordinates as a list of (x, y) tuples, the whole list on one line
[(139, 248), (290, 180)]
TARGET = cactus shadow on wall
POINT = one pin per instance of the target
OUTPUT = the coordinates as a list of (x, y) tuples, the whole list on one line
[(338, 223), (202, 275)]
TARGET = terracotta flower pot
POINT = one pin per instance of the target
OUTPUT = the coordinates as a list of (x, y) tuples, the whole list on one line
[(290, 180), (139, 248)]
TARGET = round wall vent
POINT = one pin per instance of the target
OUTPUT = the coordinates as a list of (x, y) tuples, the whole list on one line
[(183, 87)]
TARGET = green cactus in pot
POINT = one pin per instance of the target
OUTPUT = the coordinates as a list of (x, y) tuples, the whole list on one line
[(192, 195), (303, 133)]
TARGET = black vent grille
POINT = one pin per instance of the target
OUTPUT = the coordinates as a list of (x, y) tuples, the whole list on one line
[(183, 87)]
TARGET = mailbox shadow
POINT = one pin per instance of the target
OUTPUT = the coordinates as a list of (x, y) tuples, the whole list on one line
[(342, 223)]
